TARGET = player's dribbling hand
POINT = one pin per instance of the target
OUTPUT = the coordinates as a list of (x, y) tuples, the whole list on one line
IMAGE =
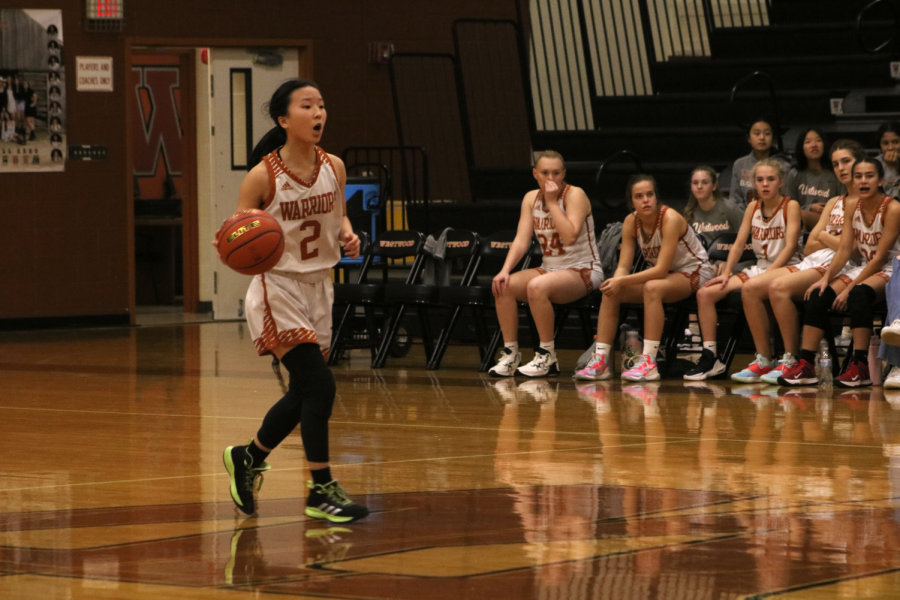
[(500, 283), (350, 242)]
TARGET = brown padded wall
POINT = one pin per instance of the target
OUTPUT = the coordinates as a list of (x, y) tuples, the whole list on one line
[(66, 250)]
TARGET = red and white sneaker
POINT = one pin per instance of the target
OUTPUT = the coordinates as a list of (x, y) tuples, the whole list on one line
[(644, 370), (856, 375), (802, 373)]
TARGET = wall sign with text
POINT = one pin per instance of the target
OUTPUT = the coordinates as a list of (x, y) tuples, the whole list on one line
[(93, 73)]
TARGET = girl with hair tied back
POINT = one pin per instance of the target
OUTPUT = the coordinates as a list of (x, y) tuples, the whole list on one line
[(761, 138), (289, 307), (813, 182), (678, 266)]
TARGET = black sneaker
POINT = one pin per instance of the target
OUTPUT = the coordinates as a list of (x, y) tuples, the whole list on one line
[(243, 477), (330, 502), (709, 365)]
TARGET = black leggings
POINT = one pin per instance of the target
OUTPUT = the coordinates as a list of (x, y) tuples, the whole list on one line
[(309, 401), (859, 305)]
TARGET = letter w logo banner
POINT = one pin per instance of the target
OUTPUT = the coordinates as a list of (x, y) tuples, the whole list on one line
[(157, 136)]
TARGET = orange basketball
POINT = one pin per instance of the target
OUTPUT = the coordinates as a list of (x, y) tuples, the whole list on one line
[(251, 242)]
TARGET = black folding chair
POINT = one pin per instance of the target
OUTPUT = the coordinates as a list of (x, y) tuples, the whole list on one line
[(466, 244), (390, 245)]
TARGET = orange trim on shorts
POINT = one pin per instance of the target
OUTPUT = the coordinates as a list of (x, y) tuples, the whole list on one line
[(884, 275), (541, 270), (693, 277), (793, 268), (845, 278), (743, 277), (271, 337), (585, 277)]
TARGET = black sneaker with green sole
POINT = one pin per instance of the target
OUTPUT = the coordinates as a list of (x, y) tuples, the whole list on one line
[(330, 502), (244, 477)]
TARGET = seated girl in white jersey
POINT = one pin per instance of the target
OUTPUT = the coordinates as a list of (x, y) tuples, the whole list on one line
[(772, 223), (560, 216), (871, 226), (783, 285), (289, 307), (678, 266), (792, 282)]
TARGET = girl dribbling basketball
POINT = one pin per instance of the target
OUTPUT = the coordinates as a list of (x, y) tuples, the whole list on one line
[(289, 307)]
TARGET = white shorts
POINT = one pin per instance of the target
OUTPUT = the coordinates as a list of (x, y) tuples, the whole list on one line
[(284, 311), (750, 273), (704, 273), (819, 260), (848, 275), (591, 274)]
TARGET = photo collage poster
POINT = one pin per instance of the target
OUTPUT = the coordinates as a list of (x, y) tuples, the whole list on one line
[(32, 91)]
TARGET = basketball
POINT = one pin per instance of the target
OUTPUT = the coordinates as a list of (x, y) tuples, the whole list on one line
[(251, 242)]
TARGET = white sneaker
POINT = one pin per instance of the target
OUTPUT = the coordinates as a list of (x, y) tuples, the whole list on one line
[(540, 390), (893, 379), (509, 362), (843, 341), (542, 365), (891, 334)]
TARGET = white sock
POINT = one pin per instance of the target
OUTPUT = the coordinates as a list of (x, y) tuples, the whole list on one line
[(846, 331), (512, 346), (603, 349), (549, 347), (711, 346), (694, 326), (651, 348)]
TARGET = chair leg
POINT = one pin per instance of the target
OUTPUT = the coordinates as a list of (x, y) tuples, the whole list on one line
[(670, 337), (491, 351), (480, 331), (734, 338), (387, 337), (562, 313), (372, 330), (427, 340), (337, 338), (587, 326), (444, 340)]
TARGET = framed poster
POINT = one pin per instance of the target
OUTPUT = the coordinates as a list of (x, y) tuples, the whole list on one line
[(32, 91)]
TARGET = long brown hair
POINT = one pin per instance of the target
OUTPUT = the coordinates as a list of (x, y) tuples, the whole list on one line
[(692, 202)]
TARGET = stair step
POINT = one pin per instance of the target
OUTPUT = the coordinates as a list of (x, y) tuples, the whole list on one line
[(815, 11), (713, 108), (710, 75), (789, 41)]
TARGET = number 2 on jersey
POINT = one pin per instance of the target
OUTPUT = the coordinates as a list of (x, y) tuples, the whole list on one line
[(305, 252), (555, 243)]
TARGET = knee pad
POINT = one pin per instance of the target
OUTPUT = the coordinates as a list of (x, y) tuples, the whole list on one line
[(859, 305), (311, 379), (817, 307)]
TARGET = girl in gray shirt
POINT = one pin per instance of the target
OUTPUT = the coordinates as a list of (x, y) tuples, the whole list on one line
[(813, 182), (889, 141), (760, 137)]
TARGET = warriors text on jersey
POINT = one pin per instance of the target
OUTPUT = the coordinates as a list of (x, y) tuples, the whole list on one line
[(867, 235), (310, 214), (768, 235), (690, 258), (582, 253)]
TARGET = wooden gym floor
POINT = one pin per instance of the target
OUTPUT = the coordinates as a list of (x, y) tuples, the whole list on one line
[(112, 486)]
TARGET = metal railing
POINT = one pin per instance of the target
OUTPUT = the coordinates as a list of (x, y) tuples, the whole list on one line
[(617, 157), (581, 49), (773, 114), (860, 31)]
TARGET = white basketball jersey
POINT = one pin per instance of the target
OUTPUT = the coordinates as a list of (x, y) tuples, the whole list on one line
[(768, 235), (836, 219), (583, 253), (867, 235), (689, 253), (310, 214)]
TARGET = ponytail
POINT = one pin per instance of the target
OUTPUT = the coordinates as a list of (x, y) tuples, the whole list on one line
[(275, 138), (277, 107)]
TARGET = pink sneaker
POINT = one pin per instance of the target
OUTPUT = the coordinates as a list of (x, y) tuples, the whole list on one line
[(596, 369), (644, 370)]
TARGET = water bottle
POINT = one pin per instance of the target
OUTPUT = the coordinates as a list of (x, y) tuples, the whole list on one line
[(823, 365), (633, 348), (875, 369)]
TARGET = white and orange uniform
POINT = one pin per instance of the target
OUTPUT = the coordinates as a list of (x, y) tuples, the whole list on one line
[(690, 258), (291, 304), (866, 236), (581, 256), (821, 259), (767, 236)]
